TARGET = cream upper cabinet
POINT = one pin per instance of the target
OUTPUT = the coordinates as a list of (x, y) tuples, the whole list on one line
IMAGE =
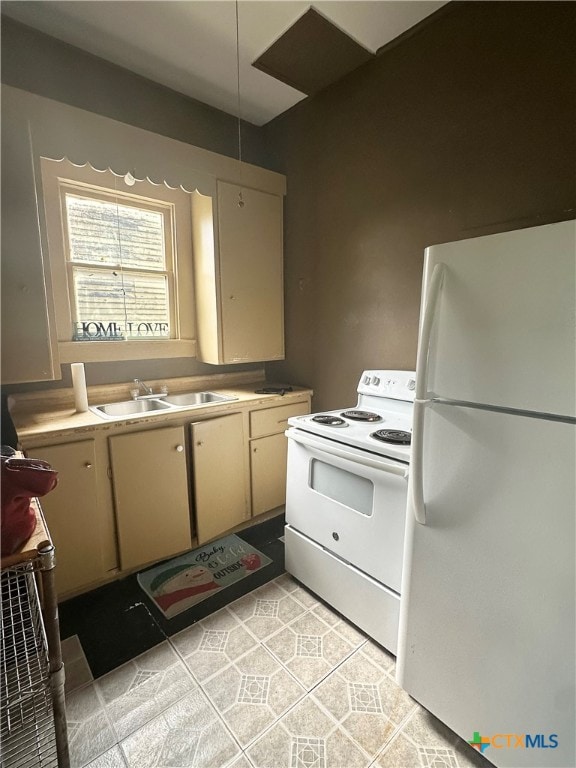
[(150, 481), (239, 275), (73, 514), (29, 350), (220, 475)]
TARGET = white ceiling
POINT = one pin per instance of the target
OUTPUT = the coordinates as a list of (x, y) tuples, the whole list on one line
[(191, 45)]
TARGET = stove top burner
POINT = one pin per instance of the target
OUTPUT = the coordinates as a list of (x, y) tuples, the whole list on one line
[(361, 415), (329, 420), (396, 436)]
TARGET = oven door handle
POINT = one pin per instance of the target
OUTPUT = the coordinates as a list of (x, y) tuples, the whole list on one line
[(326, 447)]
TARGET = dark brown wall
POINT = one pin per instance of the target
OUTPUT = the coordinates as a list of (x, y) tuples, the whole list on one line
[(465, 128)]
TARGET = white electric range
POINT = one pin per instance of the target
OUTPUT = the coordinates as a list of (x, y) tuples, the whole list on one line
[(346, 500)]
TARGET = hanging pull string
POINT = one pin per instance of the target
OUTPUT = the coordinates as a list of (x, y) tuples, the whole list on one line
[(240, 200), (119, 235)]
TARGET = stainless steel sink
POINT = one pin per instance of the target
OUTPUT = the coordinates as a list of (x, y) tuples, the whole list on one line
[(129, 408), (146, 405), (196, 398)]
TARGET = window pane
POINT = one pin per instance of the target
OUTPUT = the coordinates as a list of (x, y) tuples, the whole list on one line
[(115, 234), (113, 305)]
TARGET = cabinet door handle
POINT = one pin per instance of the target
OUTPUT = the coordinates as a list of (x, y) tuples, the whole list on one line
[(88, 465), (179, 448)]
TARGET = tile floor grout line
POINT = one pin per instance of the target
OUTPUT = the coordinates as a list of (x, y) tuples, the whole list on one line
[(104, 749), (300, 682), (221, 720), (240, 621), (307, 694), (257, 642), (217, 715), (106, 705), (307, 610), (345, 729), (398, 729), (260, 642), (277, 718), (339, 725)]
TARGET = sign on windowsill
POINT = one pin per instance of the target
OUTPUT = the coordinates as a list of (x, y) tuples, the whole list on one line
[(94, 330)]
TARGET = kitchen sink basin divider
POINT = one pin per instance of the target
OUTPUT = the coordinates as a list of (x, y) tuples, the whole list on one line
[(159, 403)]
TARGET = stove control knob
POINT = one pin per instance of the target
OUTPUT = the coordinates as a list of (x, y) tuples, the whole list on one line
[(411, 384), (375, 381), (367, 379)]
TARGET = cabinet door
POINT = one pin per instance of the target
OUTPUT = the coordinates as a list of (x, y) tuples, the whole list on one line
[(268, 457), (29, 351), (151, 495), (218, 452), (251, 272), (71, 512)]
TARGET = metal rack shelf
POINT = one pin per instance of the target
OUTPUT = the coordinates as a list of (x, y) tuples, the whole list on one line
[(32, 710)]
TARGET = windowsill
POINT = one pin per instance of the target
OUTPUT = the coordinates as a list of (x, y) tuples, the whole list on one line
[(113, 351)]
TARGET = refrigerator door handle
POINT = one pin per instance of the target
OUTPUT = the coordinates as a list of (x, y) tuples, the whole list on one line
[(433, 292), (416, 474), (421, 393)]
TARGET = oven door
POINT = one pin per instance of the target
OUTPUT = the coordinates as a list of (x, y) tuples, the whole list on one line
[(349, 501)]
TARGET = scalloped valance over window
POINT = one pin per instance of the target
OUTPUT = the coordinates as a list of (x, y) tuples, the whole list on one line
[(57, 131), (33, 128)]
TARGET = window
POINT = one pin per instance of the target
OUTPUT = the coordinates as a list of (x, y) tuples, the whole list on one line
[(121, 265)]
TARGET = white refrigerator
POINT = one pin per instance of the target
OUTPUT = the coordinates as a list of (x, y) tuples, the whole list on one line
[(487, 621)]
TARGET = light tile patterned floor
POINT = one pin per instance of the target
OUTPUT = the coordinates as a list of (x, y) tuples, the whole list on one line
[(274, 680)]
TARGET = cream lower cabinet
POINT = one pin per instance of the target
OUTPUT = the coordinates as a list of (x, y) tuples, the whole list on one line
[(72, 514), (129, 496), (268, 454), (150, 480), (219, 475), (268, 457)]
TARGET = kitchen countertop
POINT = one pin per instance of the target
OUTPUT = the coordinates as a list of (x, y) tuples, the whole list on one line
[(51, 413)]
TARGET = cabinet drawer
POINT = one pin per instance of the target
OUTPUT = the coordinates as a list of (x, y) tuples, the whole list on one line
[(271, 420)]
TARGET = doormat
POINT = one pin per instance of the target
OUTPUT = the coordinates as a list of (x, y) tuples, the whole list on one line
[(185, 581)]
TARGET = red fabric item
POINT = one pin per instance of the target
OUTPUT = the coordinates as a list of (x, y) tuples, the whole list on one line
[(22, 479)]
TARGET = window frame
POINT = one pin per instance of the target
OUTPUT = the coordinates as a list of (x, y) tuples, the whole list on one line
[(60, 177), (141, 203)]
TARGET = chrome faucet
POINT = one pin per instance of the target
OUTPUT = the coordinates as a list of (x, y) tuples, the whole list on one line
[(139, 383), (149, 393)]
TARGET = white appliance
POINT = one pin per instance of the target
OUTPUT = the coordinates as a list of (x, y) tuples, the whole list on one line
[(346, 499), (487, 628)]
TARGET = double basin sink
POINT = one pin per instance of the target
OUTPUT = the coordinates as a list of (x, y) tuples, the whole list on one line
[(158, 403)]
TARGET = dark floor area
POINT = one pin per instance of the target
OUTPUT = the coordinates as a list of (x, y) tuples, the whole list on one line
[(118, 621)]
